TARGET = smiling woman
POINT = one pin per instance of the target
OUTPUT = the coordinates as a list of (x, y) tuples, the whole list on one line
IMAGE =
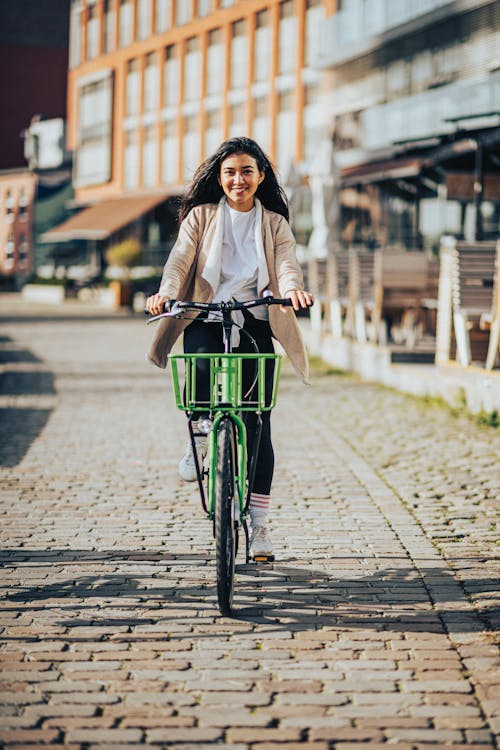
[(235, 242)]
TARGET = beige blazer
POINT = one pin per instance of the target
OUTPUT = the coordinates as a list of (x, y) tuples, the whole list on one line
[(195, 255)]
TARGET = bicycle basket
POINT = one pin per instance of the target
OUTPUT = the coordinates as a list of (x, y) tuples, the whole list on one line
[(226, 389)]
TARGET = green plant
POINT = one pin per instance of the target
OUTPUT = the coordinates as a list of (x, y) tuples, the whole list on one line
[(124, 254)]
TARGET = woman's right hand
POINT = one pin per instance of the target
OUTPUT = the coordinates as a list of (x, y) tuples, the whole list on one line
[(155, 305)]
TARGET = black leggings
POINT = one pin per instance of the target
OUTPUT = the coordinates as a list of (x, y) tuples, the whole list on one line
[(205, 338)]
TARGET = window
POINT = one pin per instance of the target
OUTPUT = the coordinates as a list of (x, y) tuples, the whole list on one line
[(133, 88), (311, 123), (314, 20), (75, 35), (226, 3), (192, 70), (109, 26), (92, 32), (213, 132), (23, 250), (261, 125), (239, 56), (171, 88), (151, 80), (163, 15), (262, 50), (287, 59), (215, 63), (190, 147), (169, 154), (237, 120), (204, 7), (23, 205), (10, 250), (285, 131), (126, 19), (131, 160), (10, 205), (149, 157), (182, 12), (143, 19), (93, 153)]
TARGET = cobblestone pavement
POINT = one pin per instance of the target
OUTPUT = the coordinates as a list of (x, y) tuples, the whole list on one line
[(375, 626)]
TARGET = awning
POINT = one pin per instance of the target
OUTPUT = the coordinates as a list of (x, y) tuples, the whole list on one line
[(101, 220), (390, 169)]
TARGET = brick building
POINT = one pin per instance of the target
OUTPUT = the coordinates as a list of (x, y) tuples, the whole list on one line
[(155, 85)]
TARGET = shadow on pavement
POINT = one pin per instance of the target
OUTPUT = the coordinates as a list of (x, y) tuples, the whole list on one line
[(20, 425), (19, 428), (283, 596)]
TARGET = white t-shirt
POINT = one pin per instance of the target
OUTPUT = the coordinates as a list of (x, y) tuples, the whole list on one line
[(239, 261)]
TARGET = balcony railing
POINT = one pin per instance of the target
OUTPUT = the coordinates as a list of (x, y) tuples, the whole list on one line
[(363, 25)]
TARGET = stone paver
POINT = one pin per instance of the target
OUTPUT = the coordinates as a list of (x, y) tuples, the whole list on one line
[(374, 627)]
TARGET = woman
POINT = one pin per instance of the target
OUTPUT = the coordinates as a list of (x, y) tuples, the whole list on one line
[(235, 242)]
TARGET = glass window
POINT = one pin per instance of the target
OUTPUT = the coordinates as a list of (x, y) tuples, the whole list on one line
[(10, 205), (109, 26), (237, 120), (169, 154), (192, 70), (262, 56), (261, 125), (171, 77), (149, 157), (93, 153), (23, 249), (314, 19), (133, 88), (131, 159), (204, 7), (126, 19), (151, 80), (311, 123), (190, 147), (143, 19), (75, 35), (182, 12), (226, 3), (10, 249), (215, 63), (239, 55), (92, 32), (163, 15), (213, 132), (285, 131), (287, 52)]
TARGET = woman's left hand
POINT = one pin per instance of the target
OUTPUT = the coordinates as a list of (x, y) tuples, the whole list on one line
[(300, 299)]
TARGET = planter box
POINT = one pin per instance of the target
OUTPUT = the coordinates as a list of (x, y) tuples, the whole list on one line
[(45, 293)]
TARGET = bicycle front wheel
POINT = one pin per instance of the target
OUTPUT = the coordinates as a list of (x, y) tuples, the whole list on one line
[(226, 495)]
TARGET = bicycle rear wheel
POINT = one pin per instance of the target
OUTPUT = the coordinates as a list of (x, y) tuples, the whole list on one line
[(225, 525)]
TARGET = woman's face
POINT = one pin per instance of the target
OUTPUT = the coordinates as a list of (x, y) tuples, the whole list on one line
[(239, 178)]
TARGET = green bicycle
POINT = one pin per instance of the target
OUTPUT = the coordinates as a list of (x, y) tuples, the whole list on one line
[(228, 471)]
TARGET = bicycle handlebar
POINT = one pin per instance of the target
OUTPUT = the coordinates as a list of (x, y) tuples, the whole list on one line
[(177, 307)]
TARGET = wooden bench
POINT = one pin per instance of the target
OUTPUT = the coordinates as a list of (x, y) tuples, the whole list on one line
[(402, 287), (362, 292), (469, 301)]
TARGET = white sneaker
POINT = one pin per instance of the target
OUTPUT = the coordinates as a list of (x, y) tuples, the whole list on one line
[(187, 466), (261, 548)]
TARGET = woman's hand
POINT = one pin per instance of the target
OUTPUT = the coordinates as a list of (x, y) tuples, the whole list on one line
[(300, 299), (155, 305)]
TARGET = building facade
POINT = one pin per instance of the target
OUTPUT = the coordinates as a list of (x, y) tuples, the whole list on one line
[(155, 86), (414, 112), (17, 192)]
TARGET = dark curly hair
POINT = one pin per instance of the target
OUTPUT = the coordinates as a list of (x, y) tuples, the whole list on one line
[(205, 187)]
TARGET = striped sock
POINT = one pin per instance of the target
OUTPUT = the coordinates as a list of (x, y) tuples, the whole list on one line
[(259, 508)]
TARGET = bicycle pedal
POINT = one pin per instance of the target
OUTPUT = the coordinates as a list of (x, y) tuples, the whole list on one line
[(263, 558)]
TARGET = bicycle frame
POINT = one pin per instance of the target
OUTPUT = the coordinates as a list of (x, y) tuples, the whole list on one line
[(227, 400)]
